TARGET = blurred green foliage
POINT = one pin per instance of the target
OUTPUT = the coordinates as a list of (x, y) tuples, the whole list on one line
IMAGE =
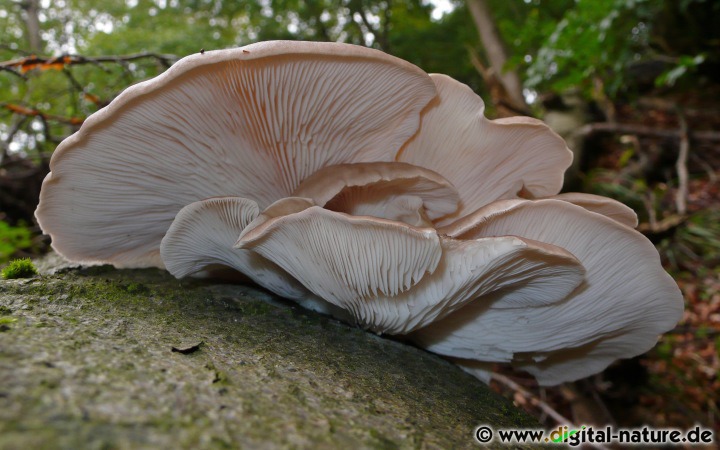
[(12, 239), (606, 45), (698, 240)]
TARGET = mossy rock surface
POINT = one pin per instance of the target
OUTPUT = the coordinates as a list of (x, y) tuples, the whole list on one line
[(87, 361)]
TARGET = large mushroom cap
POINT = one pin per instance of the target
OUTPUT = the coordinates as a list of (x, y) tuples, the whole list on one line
[(624, 303), (251, 122)]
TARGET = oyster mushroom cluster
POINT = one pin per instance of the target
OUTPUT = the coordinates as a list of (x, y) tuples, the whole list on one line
[(356, 184)]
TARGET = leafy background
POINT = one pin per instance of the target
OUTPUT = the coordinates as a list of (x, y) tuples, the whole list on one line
[(628, 81)]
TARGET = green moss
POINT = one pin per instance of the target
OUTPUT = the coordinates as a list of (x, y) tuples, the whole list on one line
[(19, 268), (263, 367), (5, 323), (137, 289)]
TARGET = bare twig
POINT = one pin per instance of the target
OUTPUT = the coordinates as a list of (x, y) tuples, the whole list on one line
[(681, 166), (709, 171), (32, 112), (22, 65), (544, 407), (644, 130), (649, 202), (655, 226), (14, 72), (501, 99), (671, 106)]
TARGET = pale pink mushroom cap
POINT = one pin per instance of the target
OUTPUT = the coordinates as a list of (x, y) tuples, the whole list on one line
[(250, 122)]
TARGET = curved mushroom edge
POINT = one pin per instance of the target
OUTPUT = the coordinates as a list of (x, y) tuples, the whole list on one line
[(271, 50), (258, 50), (486, 160), (552, 356)]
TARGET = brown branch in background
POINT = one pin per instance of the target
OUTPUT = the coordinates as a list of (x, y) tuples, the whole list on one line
[(504, 105), (535, 401), (681, 166), (656, 227), (31, 112), (31, 9), (496, 52), (73, 82), (544, 407), (586, 409), (621, 128), (709, 171), (649, 202), (23, 65), (14, 72)]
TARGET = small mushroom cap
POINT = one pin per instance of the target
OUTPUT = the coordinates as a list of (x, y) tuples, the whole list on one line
[(250, 122), (486, 160), (203, 234), (367, 266), (346, 257), (625, 301), (379, 183)]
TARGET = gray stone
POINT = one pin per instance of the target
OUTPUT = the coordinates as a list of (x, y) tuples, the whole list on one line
[(102, 358)]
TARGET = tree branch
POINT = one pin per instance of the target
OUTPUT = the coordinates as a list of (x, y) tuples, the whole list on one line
[(504, 105), (559, 418), (32, 112), (22, 65), (621, 128), (355, 7), (495, 50), (681, 166)]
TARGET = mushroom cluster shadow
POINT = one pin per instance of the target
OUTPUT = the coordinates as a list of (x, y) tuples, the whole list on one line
[(359, 186)]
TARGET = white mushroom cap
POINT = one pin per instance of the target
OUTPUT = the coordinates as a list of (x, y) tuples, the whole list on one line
[(368, 265), (388, 190), (203, 234), (486, 160), (251, 122), (624, 303), (347, 257)]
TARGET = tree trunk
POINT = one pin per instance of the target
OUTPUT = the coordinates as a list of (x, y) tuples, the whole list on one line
[(101, 358), (32, 25), (497, 55)]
